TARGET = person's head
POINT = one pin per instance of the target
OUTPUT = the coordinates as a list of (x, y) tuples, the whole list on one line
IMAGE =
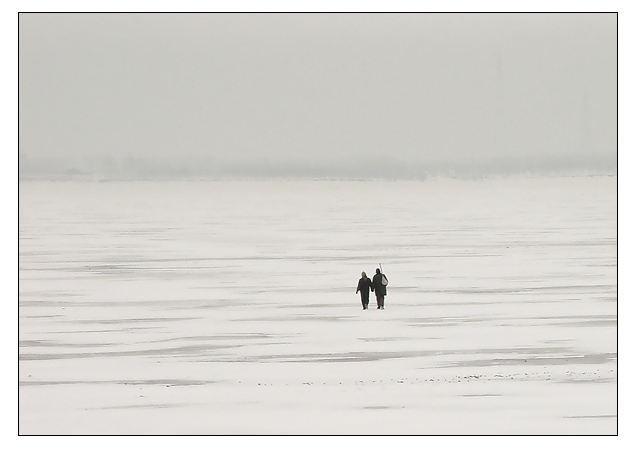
[(377, 270), (364, 275)]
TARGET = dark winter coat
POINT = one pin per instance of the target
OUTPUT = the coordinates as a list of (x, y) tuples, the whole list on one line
[(363, 286), (377, 284)]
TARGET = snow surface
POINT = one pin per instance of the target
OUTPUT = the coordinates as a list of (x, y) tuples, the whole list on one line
[(229, 307)]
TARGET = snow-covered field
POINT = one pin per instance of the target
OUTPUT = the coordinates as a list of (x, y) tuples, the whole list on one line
[(229, 307)]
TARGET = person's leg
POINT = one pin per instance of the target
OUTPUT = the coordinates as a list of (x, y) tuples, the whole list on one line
[(381, 301)]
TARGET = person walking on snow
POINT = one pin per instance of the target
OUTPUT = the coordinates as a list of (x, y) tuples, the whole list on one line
[(379, 284), (364, 284)]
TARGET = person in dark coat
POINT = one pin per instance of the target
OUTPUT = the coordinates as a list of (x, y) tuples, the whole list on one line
[(364, 284), (380, 289)]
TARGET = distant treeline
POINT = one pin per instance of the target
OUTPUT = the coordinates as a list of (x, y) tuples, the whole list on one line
[(146, 168)]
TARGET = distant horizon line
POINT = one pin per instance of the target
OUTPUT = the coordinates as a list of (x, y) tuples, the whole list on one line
[(472, 177), (140, 168)]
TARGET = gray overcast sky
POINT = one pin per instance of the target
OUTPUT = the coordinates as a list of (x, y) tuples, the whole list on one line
[(319, 88)]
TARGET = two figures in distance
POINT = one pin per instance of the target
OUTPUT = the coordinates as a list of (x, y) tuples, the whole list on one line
[(377, 284)]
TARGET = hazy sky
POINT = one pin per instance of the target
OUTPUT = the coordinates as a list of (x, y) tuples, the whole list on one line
[(319, 88)]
